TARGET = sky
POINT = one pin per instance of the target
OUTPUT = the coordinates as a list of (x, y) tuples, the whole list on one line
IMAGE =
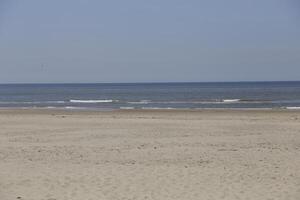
[(85, 41)]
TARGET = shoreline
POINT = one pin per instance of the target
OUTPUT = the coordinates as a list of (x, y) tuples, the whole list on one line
[(294, 109)]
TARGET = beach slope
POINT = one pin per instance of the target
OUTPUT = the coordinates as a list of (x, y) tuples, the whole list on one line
[(167, 155)]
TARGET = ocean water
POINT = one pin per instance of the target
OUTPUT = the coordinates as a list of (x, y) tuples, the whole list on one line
[(152, 95)]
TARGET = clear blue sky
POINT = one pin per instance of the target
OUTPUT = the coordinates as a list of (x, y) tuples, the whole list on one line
[(149, 40)]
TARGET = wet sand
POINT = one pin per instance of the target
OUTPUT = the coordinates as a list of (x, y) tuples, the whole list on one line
[(209, 154)]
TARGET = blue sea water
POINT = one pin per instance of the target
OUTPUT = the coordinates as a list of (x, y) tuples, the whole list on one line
[(152, 95)]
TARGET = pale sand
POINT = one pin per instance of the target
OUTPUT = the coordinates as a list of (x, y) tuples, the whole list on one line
[(47, 155)]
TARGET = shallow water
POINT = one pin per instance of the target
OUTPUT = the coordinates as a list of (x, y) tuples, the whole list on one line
[(152, 95)]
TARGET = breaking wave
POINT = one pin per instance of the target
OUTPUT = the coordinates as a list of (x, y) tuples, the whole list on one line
[(231, 100), (93, 101), (293, 108), (32, 102)]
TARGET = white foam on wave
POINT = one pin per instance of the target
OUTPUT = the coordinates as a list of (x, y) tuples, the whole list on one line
[(160, 108), (93, 101), (74, 108), (231, 100), (293, 108), (172, 102), (224, 101)]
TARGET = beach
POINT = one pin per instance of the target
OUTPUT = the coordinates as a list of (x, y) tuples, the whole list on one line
[(149, 154)]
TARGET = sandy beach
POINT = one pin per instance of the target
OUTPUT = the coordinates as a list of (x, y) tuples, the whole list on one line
[(161, 155)]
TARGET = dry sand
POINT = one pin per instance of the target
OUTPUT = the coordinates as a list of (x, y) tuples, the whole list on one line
[(59, 155)]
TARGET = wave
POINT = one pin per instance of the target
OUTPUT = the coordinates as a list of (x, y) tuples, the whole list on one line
[(74, 108), (162, 108), (293, 108), (231, 100), (140, 102), (93, 101), (127, 108), (32, 102), (222, 101), (246, 101), (189, 102), (172, 102)]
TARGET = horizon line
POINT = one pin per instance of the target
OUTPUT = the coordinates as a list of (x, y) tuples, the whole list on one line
[(146, 82)]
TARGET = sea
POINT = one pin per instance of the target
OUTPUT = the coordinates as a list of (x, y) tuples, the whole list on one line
[(115, 96)]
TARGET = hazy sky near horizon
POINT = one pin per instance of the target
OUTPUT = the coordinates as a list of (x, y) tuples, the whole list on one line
[(149, 40)]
